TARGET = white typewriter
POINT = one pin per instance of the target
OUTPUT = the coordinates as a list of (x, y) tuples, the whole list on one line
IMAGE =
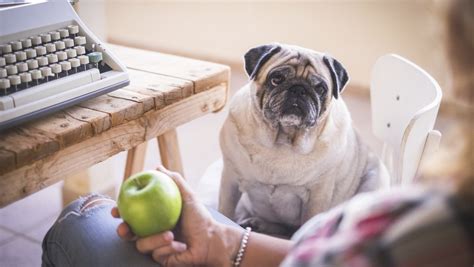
[(50, 60)]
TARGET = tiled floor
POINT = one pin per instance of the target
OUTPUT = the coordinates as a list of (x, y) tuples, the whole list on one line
[(24, 223)]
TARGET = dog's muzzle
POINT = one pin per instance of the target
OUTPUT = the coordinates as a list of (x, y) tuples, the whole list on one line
[(298, 107), (295, 101)]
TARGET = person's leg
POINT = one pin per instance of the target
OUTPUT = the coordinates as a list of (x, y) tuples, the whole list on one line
[(85, 235)]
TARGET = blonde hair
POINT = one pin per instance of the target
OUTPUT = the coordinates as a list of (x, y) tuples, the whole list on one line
[(456, 160), (460, 46)]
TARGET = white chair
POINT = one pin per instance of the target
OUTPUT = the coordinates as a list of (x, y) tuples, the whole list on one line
[(405, 100)]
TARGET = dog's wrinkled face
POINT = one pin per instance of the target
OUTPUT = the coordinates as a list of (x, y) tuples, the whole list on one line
[(294, 86), (292, 100)]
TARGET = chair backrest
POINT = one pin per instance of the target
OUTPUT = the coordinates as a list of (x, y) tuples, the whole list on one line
[(405, 100)]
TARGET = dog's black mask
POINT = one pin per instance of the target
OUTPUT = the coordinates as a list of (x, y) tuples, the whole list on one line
[(294, 93)]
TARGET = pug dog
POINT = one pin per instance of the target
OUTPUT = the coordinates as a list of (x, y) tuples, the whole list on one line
[(289, 148)]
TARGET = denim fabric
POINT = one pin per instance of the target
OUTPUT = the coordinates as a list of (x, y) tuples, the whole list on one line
[(87, 237)]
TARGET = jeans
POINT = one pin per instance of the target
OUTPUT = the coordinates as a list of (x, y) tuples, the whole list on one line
[(85, 235)]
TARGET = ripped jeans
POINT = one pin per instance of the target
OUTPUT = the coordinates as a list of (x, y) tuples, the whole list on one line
[(85, 235)]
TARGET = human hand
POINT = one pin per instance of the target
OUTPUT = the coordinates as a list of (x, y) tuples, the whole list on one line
[(193, 239)]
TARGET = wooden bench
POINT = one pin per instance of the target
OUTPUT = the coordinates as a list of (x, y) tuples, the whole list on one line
[(165, 92)]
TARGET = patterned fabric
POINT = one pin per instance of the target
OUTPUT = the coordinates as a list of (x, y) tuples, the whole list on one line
[(404, 227)]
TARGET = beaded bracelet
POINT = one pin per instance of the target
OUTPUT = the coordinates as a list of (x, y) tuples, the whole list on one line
[(243, 246)]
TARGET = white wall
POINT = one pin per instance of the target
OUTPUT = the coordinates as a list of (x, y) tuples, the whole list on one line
[(355, 32), (92, 13)]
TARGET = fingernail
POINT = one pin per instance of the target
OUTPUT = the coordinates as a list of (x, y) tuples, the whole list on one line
[(181, 247), (168, 236)]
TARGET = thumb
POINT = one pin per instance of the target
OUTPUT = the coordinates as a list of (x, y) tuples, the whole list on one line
[(186, 193)]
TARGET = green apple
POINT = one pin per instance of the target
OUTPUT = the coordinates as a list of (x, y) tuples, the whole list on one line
[(149, 202)]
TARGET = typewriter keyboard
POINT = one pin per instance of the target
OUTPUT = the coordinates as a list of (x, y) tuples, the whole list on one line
[(47, 62)]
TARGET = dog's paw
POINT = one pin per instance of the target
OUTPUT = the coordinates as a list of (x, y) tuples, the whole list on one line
[(257, 224), (261, 226)]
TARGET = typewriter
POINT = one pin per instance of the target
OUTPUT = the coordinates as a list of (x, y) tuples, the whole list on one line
[(50, 60)]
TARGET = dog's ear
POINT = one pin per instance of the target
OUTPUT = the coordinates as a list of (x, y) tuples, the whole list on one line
[(257, 56), (338, 75)]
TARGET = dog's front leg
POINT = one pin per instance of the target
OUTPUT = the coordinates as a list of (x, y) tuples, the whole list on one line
[(229, 193), (375, 176)]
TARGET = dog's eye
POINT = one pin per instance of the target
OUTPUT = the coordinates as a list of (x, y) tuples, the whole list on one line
[(277, 79)]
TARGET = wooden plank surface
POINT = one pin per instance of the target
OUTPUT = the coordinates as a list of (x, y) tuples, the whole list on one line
[(56, 166), (149, 90), (99, 121), (165, 90), (63, 128), (7, 160), (203, 74), (28, 144), (119, 110)]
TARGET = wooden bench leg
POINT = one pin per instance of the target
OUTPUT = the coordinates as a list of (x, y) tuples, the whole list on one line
[(83, 183), (135, 160), (169, 151)]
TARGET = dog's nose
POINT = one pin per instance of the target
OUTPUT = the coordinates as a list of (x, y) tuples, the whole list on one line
[(297, 90)]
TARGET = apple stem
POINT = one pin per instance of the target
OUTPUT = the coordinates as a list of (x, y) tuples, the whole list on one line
[(139, 184)]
